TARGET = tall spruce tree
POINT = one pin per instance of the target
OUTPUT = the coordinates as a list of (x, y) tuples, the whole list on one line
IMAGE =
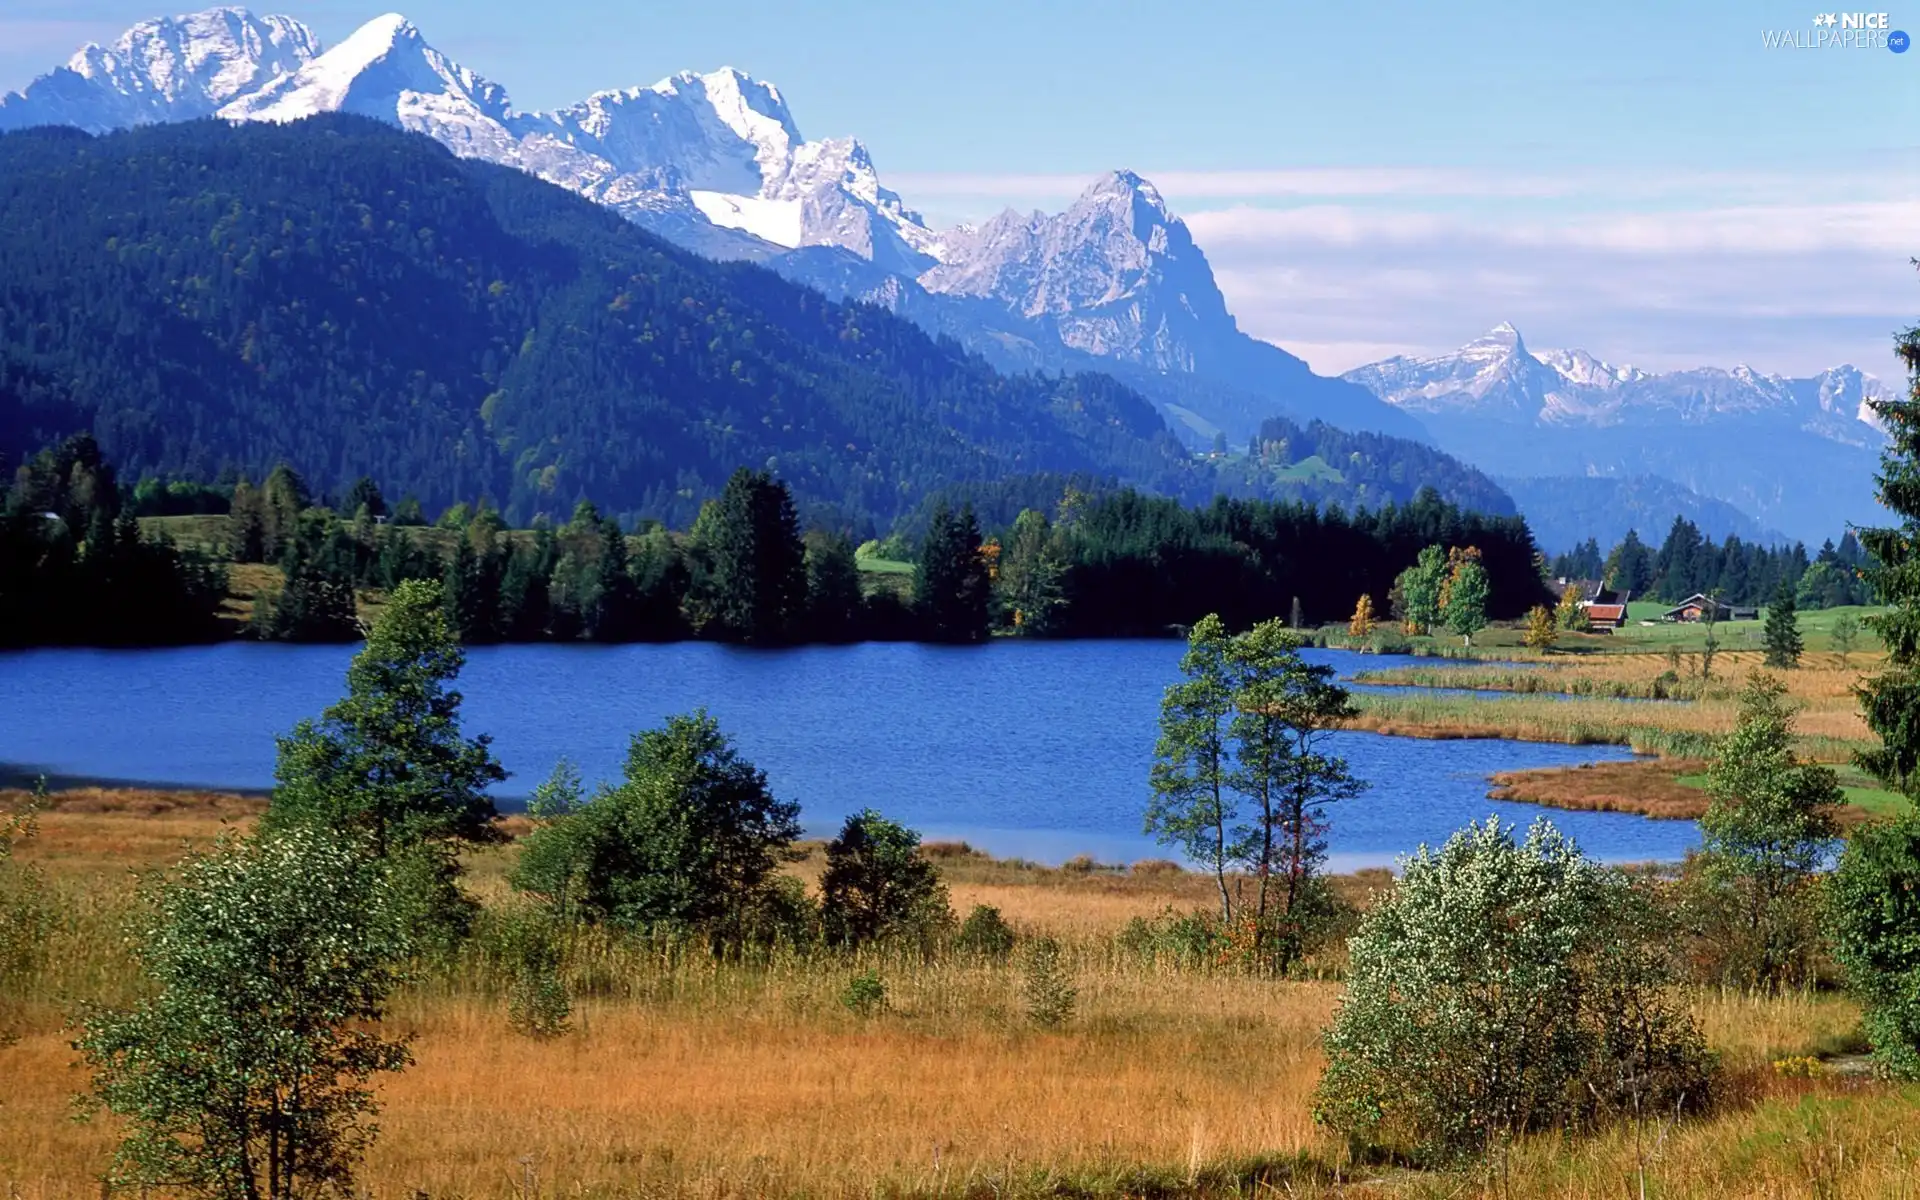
[(950, 584), (389, 761), (1876, 909), (1783, 628), (756, 586)]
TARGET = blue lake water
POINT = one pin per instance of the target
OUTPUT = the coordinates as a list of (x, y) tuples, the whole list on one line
[(1039, 749)]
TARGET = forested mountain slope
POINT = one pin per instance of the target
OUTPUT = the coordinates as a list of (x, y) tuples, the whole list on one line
[(355, 300), (212, 300)]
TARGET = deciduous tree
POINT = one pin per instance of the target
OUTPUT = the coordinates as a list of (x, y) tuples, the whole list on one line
[(245, 1073)]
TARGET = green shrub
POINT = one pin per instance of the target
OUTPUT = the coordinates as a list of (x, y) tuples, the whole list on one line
[(1046, 985), (246, 1069), (1183, 940), (690, 836), (865, 994), (878, 887), (26, 919), (529, 943), (1502, 989), (1875, 929), (985, 932)]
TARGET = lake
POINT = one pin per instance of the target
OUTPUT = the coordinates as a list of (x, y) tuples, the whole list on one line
[(1037, 749)]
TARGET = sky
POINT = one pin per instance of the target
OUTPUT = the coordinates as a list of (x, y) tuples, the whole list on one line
[(1647, 181)]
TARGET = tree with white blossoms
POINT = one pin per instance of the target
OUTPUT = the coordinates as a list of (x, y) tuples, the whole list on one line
[(1505, 987), (244, 1074)]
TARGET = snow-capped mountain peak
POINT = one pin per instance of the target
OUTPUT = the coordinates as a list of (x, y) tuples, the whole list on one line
[(1495, 376), (386, 69), (172, 69)]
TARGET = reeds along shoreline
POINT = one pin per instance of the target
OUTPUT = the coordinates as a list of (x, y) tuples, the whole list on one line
[(1610, 700), (687, 1075)]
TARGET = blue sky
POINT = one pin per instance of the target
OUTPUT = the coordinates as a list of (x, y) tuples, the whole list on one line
[(1644, 180)]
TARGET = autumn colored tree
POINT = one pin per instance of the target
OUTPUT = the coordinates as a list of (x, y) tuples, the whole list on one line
[(1542, 629), (1360, 627), (1570, 613)]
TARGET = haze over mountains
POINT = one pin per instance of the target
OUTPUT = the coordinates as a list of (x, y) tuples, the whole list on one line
[(1115, 283), (1795, 454)]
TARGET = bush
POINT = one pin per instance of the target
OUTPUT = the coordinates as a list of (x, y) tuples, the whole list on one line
[(528, 941), (865, 994), (26, 919), (1875, 930), (1505, 988), (1046, 986), (985, 933), (878, 887), (689, 839), (246, 1069), (1184, 940)]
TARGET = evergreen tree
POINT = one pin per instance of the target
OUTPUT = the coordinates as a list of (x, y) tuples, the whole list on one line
[(1876, 909), (365, 493), (1629, 567), (756, 587), (283, 498), (389, 761), (833, 587), (1783, 629), (616, 612), (950, 584), (1768, 828), (247, 524)]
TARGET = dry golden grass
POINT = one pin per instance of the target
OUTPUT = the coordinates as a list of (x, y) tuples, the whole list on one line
[(688, 1077), (1829, 724), (1650, 788), (91, 831)]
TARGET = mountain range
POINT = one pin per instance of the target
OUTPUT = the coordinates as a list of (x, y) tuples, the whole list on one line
[(716, 163), (1795, 454)]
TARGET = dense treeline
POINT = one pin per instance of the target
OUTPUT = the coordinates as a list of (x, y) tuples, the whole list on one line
[(1743, 573), (211, 300), (745, 570), (74, 568)]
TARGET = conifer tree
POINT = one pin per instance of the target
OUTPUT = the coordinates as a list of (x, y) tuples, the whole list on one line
[(247, 522), (389, 760), (1876, 908), (1783, 629), (950, 584), (756, 587)]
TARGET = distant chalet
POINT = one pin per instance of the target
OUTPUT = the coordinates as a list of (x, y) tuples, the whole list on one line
[(1697, 606)]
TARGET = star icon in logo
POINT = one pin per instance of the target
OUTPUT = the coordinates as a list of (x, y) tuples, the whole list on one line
[(1824, 19)]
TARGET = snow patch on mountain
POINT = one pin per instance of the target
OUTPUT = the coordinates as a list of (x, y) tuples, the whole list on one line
[(782, 222)]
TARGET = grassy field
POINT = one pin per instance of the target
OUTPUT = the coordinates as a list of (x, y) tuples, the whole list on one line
[(1609, 699), (683, 1076)]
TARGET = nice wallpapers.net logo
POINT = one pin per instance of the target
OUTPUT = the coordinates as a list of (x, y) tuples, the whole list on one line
[(1840, 31)]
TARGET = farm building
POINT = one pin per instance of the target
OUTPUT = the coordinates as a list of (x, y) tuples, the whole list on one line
[(1606, 608), (1696, 607)]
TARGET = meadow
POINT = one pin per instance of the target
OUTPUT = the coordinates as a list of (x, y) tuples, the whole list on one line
[(686, 1075)]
